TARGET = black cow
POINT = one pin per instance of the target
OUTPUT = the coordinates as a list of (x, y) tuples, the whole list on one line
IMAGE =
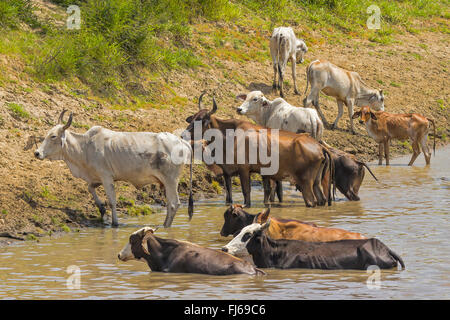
[(286, 254), (169, 255)]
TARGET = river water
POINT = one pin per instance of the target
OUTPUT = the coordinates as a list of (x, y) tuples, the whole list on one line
[(408, 210)]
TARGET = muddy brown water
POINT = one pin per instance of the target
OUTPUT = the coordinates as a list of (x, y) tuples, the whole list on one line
[(408, 210)]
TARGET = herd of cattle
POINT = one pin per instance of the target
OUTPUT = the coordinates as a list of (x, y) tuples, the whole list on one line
[(101, 157)]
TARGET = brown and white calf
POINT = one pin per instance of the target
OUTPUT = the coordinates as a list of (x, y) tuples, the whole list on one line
[(384, 126)]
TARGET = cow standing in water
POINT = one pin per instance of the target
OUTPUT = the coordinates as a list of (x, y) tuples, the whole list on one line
[(101, 157)]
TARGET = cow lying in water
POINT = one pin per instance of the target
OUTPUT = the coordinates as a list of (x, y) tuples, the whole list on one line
[(236, 219), (287, 254), (169, 255)]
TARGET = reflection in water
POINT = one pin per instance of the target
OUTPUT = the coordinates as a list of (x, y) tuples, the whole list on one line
[(408, 210)]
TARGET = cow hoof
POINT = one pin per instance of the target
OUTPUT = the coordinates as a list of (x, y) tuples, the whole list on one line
[(114, 224), (102, 210), (296, 92), (334, 127)]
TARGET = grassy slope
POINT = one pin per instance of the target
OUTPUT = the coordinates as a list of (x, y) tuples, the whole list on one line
[(407, 58)]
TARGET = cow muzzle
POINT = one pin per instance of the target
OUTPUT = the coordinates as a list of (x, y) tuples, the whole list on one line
[(38, 155), (239, 110), (126, 253)]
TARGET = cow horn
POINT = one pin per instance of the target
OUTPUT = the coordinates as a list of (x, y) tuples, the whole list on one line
[(61, 116), (200, 100), (69, 122), (214, 109)]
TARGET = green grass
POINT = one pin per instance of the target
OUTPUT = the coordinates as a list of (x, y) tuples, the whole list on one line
[(120, 40), (18, 111)]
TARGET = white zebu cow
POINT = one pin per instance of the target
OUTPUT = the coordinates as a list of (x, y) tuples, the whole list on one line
[(279, 114), (346, 86), (285, 46), (101, 156)]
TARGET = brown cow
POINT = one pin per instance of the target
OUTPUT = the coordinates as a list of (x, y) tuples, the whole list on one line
[(236, 218), (299, 155), (384, 126)]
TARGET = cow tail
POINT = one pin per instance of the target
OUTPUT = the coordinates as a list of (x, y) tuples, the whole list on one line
[(191, 198), (319, 129), (365, 165), (434, 135), (307, 79), (397, 258), (331, 197)]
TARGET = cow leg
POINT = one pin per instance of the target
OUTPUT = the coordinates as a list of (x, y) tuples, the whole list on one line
[(294, 77), (425, 150), (108, 184), (173, 201), (340, 113), (380, 153), (386, 151), (349, 104), (228, 189), (280, 78), (244, 175), (313, 98), (416, 152), (267, 186), (306, 187), (318, 193), (279, 190), (100, 205), (275, 71)]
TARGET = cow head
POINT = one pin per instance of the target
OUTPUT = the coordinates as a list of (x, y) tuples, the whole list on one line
[(254, 103), (137, 248), (51, 147), (202, 117), (365, 114), (239, 243), (300, 50), (376, 100), (235, 219)]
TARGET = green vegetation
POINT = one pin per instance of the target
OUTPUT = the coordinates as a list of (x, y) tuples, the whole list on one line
[(14, 12), (124, 42), (18, 111), (216, 186)]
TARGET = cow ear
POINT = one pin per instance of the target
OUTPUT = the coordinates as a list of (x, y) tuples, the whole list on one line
[(263, 216), (266, 225), (356, 114), (147, 235), (189, 119), (373, 116), (242, 97)]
